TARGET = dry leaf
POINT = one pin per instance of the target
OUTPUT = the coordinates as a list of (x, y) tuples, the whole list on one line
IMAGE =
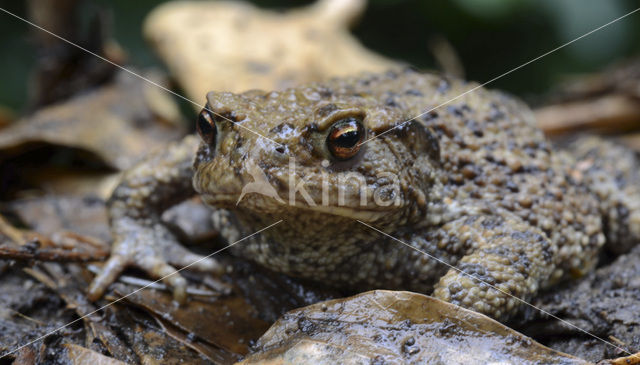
[(396, 327), (118, 124), (234, 46), (51, 214), (606, 102), (607, 114), (627, 360), (65, 246), (78, 355), (228, 322)]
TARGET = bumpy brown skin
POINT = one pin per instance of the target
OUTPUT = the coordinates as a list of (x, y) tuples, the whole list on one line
[(473, 183)]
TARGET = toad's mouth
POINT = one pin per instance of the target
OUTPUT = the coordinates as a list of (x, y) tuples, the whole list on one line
[(274, 206)]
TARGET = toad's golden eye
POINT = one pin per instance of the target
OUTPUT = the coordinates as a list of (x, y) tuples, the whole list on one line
[(345, 137), (206, 127)]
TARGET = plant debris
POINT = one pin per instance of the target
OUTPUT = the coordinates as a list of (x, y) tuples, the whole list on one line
[(396, 327)]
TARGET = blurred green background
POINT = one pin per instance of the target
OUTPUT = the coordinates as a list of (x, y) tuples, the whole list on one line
[(490, 37)]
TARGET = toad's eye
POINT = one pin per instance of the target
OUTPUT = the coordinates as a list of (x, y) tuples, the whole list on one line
[(206, 127), (345, 137)]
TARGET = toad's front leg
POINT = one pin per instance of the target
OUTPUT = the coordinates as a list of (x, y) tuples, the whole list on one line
[(135, 208), (508, 261)]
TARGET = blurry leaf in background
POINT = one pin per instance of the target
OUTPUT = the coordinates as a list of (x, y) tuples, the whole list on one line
[(118, 123), (607, 102), (237, 47)]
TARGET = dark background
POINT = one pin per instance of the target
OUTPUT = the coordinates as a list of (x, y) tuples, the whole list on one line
[(490, 37)]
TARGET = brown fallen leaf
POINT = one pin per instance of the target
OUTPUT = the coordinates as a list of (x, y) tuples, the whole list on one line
[(627, 360), (127, 335), (27, 356), (66, 181), (151, 343), (234, 46), (47, 215), (273, 294), (87, 215), (632, 141), (18, 244), (620, 77), (396, 327), (118, 124), (52, 214), (228, 323), (614, 113), (210, 351), (605, 102), (78, 355), (68, 282), (220, 327)]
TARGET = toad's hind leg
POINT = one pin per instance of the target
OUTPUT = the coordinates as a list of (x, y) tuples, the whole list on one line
[(612, 173), (509, 261)]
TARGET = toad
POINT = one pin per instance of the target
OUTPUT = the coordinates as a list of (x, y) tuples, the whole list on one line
[(473, 183)]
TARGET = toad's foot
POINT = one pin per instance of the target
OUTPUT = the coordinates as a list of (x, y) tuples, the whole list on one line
[(511, 262), (150, 248)]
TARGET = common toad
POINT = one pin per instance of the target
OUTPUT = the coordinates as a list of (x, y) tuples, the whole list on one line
[(474, 183)]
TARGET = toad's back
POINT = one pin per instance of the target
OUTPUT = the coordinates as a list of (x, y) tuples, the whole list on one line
[(494, 158)]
